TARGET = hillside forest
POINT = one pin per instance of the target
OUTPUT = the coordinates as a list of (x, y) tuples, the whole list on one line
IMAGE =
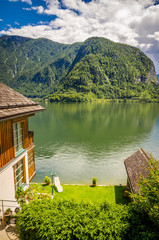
[(95, 69)]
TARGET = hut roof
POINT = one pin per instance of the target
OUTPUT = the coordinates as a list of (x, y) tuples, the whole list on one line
[(136, 165), (14, 104)]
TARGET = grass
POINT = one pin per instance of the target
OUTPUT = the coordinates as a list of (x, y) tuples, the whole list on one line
[(111, 194)]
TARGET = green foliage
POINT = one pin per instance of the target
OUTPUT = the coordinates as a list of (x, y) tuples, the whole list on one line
[(60, 218), (140, 226), (31, 193), (40, 67), (94, 180), (127, 91), (79, 193), (110, 70), (47, 180), (20, 195), (49, 219), (68, 97), (52, 219), (147, 200), (8, 210), (34, 66)]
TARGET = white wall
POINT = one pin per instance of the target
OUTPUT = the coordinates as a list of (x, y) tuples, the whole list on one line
[(7, 187)]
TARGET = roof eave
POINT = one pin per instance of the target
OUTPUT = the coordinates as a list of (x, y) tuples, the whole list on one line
[(20, 115)]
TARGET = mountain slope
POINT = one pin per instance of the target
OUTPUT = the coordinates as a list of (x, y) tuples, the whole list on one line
[(103, 60), (32, 66), (107, 69)]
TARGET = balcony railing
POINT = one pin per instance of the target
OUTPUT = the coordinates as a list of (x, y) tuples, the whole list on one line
[(30, 138), (5, 204)]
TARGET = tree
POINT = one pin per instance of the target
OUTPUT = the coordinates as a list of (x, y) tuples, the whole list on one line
[(147, 200)]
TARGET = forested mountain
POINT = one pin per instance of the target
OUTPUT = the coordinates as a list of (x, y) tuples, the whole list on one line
[(39, 67), (34, 67)]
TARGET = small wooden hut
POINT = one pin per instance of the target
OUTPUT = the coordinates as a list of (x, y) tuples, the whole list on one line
[(136, 165)]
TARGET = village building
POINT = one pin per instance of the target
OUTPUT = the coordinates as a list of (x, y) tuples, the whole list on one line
[(136, 165), (17, 161)]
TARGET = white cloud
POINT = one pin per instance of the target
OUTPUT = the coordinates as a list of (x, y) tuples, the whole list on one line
[(133, 22), (26, 1), (16, 23), (1, 20), (29, 31), (27, 9), (154, 36), (39, 9)]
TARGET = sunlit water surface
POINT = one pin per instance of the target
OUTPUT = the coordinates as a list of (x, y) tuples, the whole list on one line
[(86, 140)]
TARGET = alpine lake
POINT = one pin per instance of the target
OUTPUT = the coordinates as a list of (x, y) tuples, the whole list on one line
[(84, 140)]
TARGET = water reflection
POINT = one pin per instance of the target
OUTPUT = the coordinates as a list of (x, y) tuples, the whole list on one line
[(81, 141)]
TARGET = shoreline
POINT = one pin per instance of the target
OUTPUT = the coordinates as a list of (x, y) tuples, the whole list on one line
[(78, 184), (126, 100)]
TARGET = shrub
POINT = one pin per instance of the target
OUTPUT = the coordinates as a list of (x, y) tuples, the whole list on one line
[(94, 181), (47, 180), (49, 219), (20, 195), (54, 219), (147, 200), (8, 210)]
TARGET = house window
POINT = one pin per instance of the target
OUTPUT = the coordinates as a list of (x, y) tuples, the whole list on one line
[(31, 158), (18, 137), (19, 173)]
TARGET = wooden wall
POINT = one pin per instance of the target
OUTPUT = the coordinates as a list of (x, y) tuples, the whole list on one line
[(31, 171), (7, 152), (31, 167)]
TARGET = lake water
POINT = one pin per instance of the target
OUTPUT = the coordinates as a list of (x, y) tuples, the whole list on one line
[(86, 140)]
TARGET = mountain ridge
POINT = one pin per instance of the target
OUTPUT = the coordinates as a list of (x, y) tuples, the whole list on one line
[(39, 67)]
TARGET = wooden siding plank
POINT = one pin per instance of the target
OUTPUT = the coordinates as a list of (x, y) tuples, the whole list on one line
[(7, 151), (31, 168)]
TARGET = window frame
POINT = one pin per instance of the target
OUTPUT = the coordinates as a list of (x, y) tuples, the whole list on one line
[(19, 173), (17, 138), (31, 155)]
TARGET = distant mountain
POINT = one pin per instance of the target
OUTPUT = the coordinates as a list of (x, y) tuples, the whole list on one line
[(38, 67)]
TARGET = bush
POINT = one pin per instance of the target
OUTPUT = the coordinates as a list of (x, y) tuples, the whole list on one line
[(20, 195), (147, 200), (53, 219), (47, 180), (94, 181), (49, 219)]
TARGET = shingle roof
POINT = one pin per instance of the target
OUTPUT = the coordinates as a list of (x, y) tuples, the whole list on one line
[(14, 104), (135, 165)]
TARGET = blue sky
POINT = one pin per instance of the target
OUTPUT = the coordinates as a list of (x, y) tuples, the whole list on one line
[(134, 22)]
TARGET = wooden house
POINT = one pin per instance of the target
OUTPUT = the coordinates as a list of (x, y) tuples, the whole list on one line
[(136, 165), (17, 161)]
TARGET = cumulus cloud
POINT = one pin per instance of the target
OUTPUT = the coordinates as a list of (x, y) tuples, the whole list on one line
[(154, 36), (39, 9), (133, 22), (26, 1), (1, 20)]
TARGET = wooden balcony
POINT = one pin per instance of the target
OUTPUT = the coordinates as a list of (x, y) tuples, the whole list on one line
[(30, 138)]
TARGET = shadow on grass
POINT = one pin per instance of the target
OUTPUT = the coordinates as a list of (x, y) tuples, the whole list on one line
[(119, 195)]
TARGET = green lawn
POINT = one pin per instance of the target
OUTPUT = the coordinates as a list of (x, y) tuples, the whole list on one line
[(111, 194)]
